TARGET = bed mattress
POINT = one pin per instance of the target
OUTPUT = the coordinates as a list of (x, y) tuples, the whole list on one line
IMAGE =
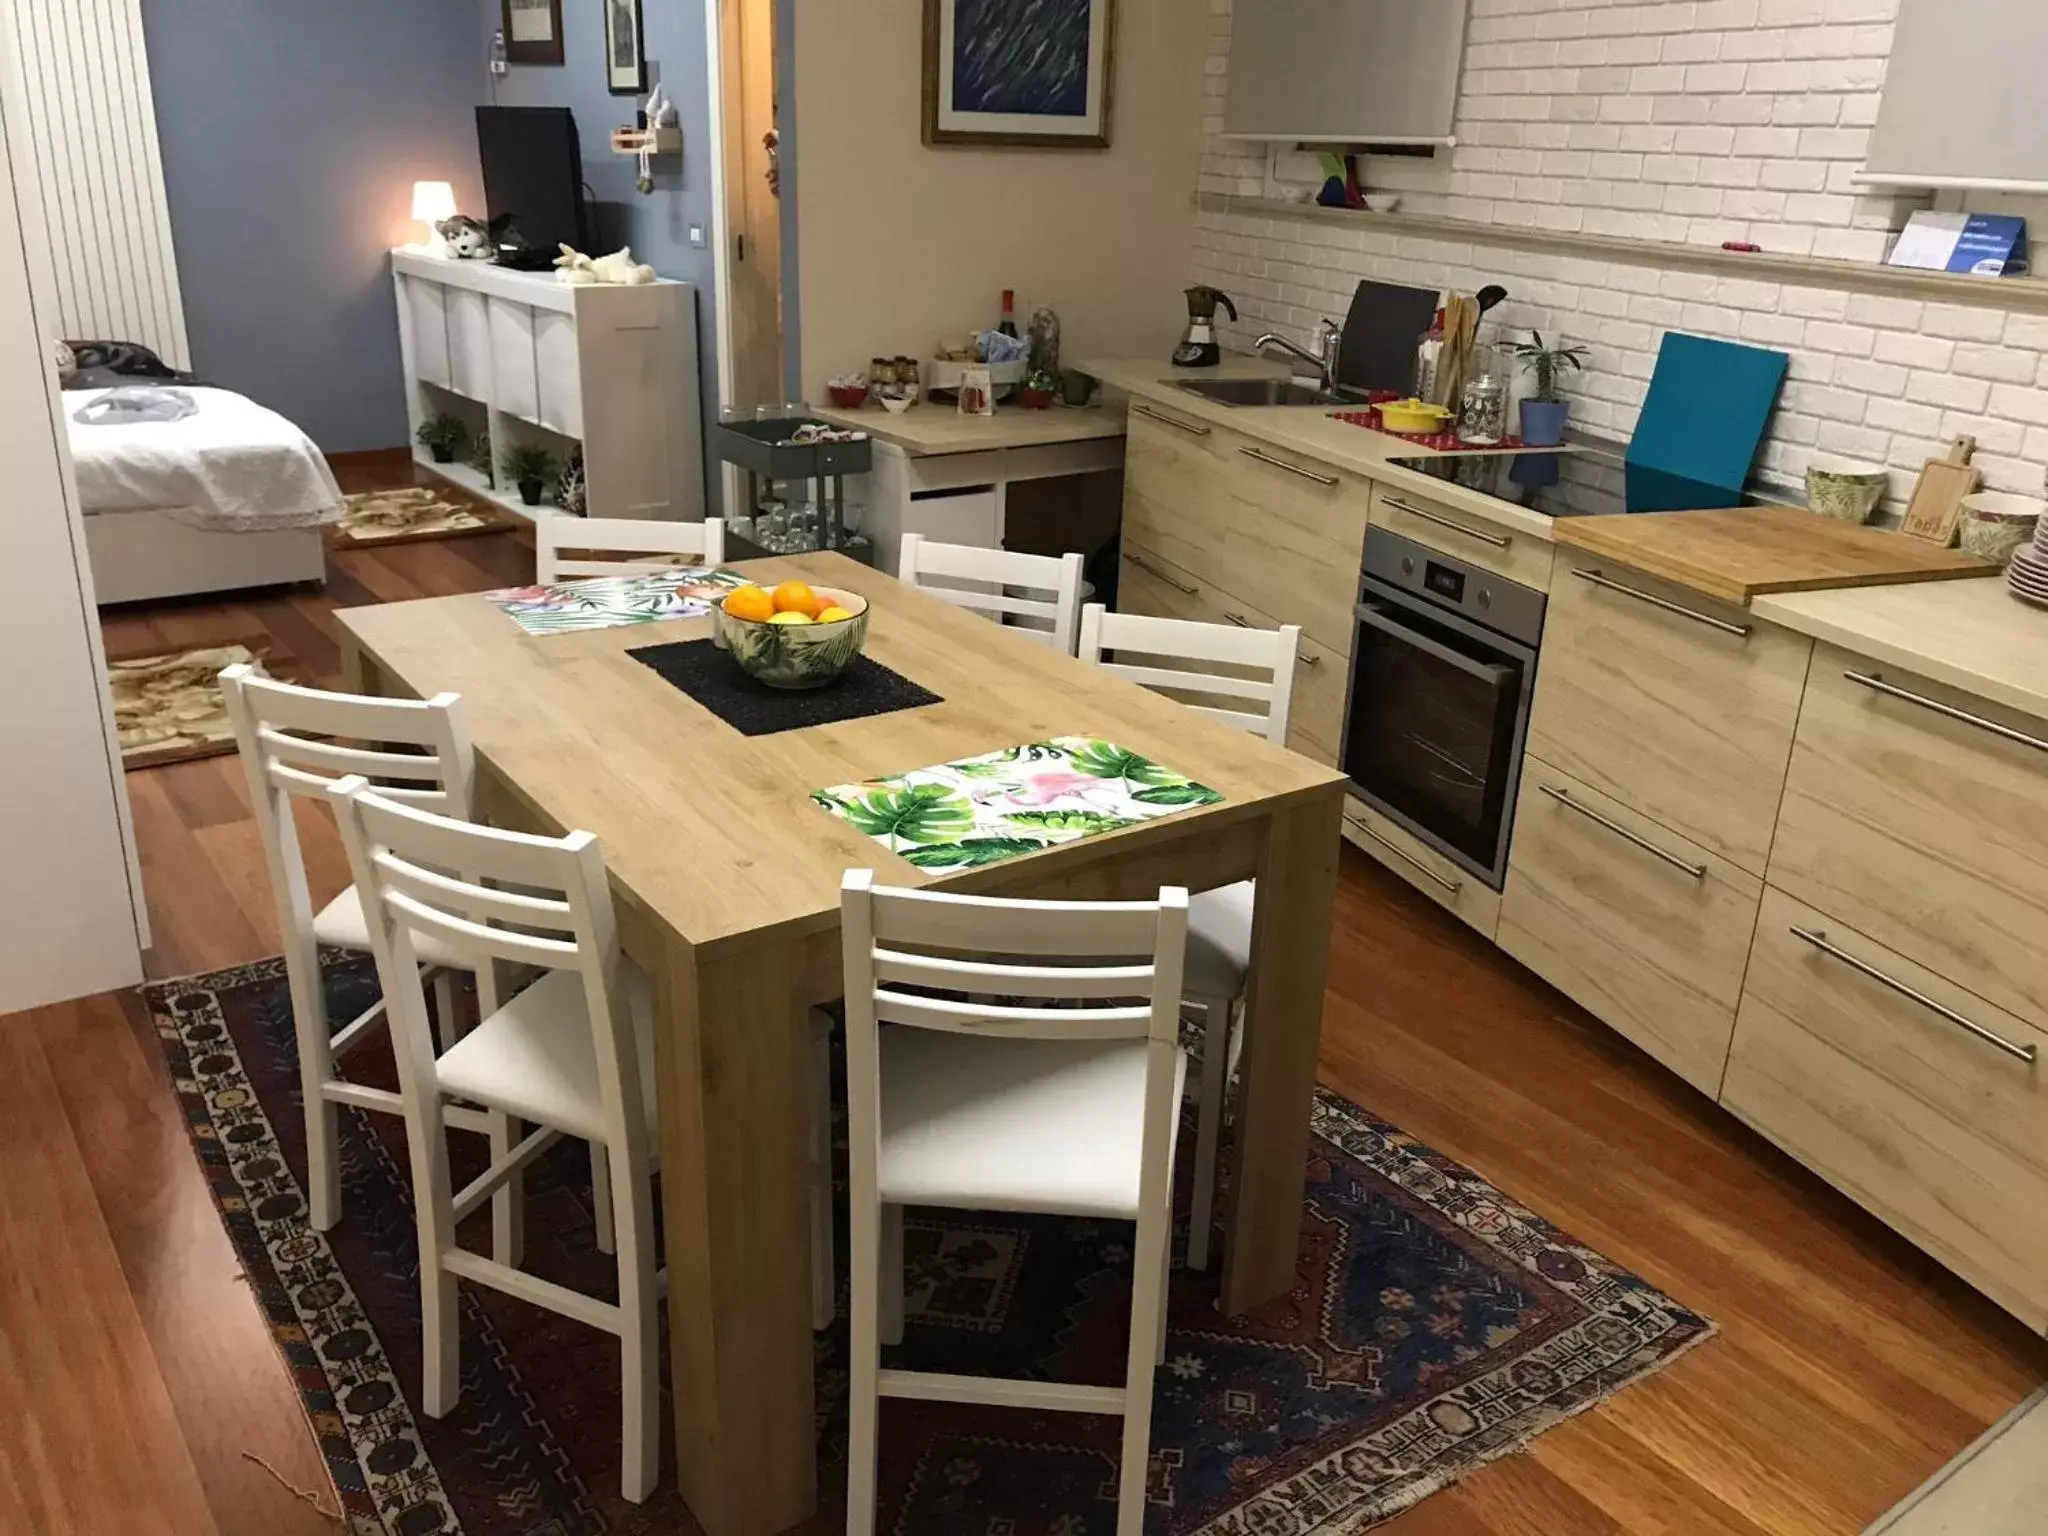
[(230, 467)]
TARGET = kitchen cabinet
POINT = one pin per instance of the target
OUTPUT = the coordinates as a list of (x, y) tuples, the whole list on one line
[(1681, 707), (1645, 929), (1870, 1069), (1454, 889), (1919, 816), (1518, 556)]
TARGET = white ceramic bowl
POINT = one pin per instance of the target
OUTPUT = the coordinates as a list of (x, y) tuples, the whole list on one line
[(1382, 202), (1995, 523)]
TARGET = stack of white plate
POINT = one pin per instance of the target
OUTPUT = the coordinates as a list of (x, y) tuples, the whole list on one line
[(2028, 573)]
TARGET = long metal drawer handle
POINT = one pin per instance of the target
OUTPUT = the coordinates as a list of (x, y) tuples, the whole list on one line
[(1697, 871), (1609, 584), (1153, 570), (1877, 684), (1450, 887), (1292, 469), (1188, 427), (1238, 619), (1819, 940), (1497, 540), (1308, 661)]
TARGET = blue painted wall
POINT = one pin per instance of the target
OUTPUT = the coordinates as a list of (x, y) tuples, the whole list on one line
[(292, 133), (655, 225)]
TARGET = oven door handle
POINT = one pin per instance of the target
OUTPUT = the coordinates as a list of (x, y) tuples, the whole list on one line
[(1486, 671)]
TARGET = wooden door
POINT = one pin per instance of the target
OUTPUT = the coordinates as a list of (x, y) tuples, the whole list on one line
[(753, 213)]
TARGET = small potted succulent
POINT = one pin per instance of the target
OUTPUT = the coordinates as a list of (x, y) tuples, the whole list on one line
[(443, 436), (480, 458), (528, 466), (1544, 413), (1039, 389)]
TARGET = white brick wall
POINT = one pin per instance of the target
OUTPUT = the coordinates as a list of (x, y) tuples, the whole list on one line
[(1699, 121)]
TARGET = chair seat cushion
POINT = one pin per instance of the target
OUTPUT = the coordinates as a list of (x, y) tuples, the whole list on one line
[(1014, 1125), (1220, 941), (534, 1057), (341, 923)]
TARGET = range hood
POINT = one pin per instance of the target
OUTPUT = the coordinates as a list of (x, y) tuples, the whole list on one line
[(1345, 72)]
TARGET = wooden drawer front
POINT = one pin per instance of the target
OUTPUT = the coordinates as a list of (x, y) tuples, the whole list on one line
[(1938, 1131), (1928, 833), (1471, 538), (1296, 539), (1422, 866), (1654, 950), (1671, 712), (1151, 584), (1176, 500)]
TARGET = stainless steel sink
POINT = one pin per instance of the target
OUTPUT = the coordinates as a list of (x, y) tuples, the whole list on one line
[(1260, 392)]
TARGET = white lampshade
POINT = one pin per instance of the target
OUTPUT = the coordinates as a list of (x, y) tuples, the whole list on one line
[(433, 201)]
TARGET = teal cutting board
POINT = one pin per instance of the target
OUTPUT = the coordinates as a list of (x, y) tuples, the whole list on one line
[(1705, 414)]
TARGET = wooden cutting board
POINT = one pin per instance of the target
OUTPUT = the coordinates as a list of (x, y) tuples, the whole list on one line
[(1739, 553), (1937, 504)]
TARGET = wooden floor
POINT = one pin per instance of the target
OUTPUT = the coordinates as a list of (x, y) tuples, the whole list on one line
[(135, 1372)]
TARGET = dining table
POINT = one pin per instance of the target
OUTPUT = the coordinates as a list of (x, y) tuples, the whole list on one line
[(726, 878)]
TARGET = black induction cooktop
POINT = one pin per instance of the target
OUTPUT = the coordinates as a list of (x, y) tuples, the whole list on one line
[(1586, 482)]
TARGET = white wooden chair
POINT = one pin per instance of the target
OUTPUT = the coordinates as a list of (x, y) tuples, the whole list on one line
[(622, 536), (999, 583), (540, 1058), (1176, 657), (1026, 1105), (286, 737), (572, 1054)]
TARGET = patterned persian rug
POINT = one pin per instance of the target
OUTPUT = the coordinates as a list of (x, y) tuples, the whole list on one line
[(167, 704), (415, 513), (1435, 1326)]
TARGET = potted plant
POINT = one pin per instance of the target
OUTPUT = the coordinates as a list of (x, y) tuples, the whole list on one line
[(480, 458), (1544, 413), (1039, 389), (443, 436), (528, 466)]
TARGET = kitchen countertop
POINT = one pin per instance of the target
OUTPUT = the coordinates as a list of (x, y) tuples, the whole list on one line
[(1309, 430), (1971, 635), (928, 429)]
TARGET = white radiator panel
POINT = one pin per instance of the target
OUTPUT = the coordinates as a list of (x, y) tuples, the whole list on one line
[(85, 85)]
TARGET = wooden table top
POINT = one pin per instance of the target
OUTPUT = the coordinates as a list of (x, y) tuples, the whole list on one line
[(1745, 552), (930, 428), (714, 833)]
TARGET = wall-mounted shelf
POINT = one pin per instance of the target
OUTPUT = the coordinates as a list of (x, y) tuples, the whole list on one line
[(652, 141), (2029, 294)]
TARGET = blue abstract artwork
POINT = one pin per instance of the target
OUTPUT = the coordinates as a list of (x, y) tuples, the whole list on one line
[(1023, 57)]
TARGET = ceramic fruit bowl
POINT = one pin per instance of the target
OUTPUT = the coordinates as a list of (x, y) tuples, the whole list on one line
[(797, 656), (1845, 489), (1413, 416), (1996, 523)]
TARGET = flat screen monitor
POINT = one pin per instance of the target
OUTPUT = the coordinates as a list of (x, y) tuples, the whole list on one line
[(533, 176)]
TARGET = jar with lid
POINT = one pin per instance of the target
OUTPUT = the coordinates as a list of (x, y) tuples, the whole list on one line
[(1483, 412)]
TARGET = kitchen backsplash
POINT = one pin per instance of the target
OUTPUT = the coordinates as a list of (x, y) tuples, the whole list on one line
[(1693, 120)]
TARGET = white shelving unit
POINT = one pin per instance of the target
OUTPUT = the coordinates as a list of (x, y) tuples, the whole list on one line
[(529, 358)]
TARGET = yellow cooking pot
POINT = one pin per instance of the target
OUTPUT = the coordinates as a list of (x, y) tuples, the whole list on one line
[(1413, 416)]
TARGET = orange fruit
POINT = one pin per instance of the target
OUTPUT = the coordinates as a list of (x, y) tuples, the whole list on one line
[(797, 597), (750, 603)]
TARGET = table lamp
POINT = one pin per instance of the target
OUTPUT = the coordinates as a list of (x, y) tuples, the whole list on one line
[(433, 201)]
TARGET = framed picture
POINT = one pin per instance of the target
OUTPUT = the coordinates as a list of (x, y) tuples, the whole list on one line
[(533, 31), (1024, 73), (625, 48)]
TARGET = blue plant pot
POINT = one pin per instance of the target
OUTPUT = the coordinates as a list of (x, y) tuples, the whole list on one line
[(1543, 422)]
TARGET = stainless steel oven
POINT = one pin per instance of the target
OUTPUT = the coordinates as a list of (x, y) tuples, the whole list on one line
[(1441, 675)]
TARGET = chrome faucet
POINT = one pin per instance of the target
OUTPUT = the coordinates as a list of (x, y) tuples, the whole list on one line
[(1329, 342)]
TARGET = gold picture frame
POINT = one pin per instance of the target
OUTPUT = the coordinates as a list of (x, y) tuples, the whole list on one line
[(1065, 103)]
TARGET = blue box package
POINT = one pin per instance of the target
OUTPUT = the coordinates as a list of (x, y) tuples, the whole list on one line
[(1981, 244)]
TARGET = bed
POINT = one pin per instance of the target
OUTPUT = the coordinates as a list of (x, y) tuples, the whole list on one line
[(231, 495)]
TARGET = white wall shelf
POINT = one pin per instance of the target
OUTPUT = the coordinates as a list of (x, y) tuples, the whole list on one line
[(2028, 294), (524, 355)]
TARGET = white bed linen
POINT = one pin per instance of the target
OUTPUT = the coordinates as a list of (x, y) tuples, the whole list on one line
[(230, 467)]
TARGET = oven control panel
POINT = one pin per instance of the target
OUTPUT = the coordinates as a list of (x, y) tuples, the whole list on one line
[(1484, 596)]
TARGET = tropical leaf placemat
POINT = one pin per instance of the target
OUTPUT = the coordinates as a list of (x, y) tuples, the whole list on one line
[(606, 602), (1005, 804)]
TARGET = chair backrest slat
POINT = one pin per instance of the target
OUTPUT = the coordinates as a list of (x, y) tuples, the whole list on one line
[(478, 902), (999, 582), (622, 536), (971, 1018), (947, 974), (1263, 659), (339, 761), (1075, 929)]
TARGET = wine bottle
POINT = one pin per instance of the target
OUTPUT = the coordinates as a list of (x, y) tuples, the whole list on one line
[(1009, 322)]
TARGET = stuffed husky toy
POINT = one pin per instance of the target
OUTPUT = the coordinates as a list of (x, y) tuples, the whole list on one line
[(473, 240)]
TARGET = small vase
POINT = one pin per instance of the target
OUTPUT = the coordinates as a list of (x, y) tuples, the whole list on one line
[(1036, 399), (1543, 422), (530, 491), (442, 453)]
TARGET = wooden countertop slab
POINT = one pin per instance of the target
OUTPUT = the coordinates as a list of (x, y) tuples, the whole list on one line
[(1743, 552)]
